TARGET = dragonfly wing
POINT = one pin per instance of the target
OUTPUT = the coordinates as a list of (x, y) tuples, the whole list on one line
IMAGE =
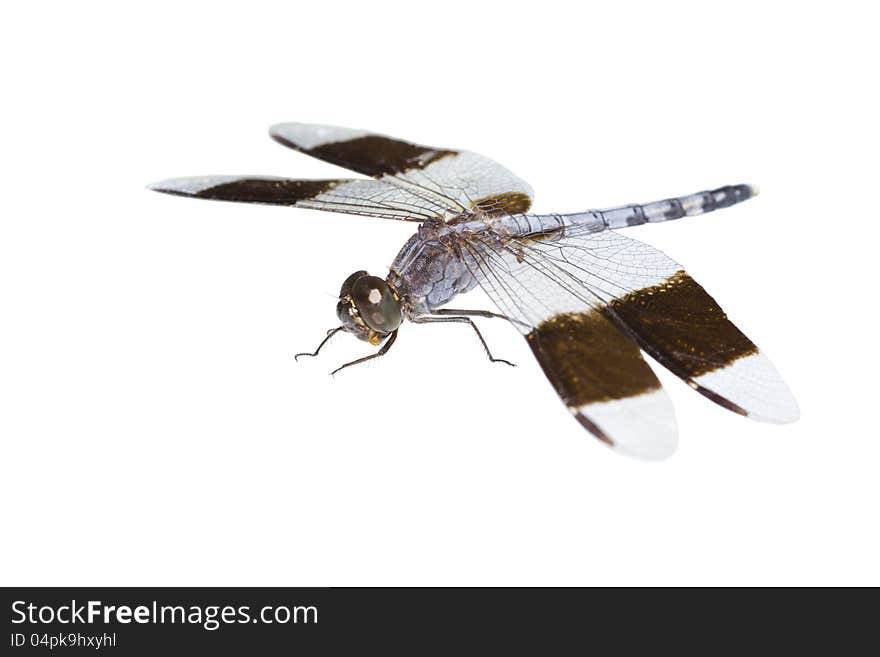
[(669, 314), (363, 197), (464, 181), (593, 364)]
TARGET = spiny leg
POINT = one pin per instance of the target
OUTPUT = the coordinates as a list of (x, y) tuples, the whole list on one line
[(475, 313), (381, 352), (463, 320), (330, 334)]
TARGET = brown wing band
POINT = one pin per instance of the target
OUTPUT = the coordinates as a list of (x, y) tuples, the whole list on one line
[(684, 328), (374, 155), (276, 192), (588, 359), (500, 205)]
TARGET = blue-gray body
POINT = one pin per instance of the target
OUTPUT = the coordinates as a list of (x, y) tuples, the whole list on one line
[(429, 271)]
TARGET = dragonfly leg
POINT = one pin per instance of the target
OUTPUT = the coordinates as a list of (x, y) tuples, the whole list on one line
[(381, 352), (330, 334), (427, 319), (475, 313)]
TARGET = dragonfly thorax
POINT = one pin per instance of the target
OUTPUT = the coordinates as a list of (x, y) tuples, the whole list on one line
[(368, 307)]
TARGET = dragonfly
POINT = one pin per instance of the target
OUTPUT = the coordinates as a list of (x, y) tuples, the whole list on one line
[(588, 299)]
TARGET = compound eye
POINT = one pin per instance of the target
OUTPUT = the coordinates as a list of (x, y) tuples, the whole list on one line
[(346, 286), (376, 304), (343, 313)]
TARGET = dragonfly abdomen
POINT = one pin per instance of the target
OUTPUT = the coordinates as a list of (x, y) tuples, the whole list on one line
[(676, 208)]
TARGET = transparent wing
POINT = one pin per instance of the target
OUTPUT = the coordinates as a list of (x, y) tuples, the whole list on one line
[(668, 313), (596, 367), (363, 197), (463, 181)]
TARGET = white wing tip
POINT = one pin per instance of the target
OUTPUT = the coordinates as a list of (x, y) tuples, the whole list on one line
[(169, 185), (642, 427), (159, 186), (785, 411), (754, 386), (280, 128), (311, 135), (190, 185)]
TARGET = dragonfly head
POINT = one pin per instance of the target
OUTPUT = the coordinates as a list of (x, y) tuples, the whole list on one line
[(368, 307)]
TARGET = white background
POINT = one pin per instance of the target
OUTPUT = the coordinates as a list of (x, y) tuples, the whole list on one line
[(155, 428)]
